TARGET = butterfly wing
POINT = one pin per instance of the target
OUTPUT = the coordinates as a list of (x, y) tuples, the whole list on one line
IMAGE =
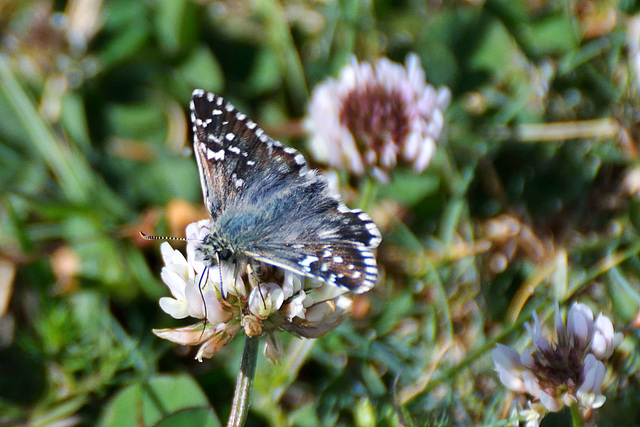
[(235, 157), (269, 206), (349, 265)]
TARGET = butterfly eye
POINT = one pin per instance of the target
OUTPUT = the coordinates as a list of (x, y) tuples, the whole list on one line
[(225, 254)]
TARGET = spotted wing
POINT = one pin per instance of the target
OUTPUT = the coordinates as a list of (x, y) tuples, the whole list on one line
[(269, 206), (349, 265), (316, 235), (236, 159)]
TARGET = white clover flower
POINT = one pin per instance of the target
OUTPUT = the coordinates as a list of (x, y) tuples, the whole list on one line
[(292, 284), (605, 340), (566, 371), (273, 349), (295, 307), (374, 115), (265, 299), (260, 299), (193, 293)]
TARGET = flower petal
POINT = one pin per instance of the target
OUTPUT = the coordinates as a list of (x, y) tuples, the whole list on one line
[(175, 282), (273, 350), (174, 308), (265, 299)]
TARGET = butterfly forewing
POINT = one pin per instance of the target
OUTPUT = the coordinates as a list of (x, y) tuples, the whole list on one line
[(235, 156), (267, 205)]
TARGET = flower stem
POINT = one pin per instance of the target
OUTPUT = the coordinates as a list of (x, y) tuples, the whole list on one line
[(576, 416), (244, 383), (368, 193)]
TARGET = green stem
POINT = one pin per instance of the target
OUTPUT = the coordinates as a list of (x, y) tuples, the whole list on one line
[(576, 416), (369, 193), (244, 383)]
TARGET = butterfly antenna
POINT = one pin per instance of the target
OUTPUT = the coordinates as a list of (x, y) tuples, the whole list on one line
[(151, 237)]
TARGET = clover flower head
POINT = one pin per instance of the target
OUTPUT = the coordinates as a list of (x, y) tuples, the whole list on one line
[(372, 115), (259, 299), (568, 370)]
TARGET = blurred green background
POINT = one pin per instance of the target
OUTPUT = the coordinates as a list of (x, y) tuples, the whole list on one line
[(532, 197)]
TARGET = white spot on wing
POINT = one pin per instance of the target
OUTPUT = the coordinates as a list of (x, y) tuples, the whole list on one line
[(219, 155), (371, 270), (364, 216), (308, 260)]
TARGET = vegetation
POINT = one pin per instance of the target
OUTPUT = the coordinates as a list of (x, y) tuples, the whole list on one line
[(532, 199)]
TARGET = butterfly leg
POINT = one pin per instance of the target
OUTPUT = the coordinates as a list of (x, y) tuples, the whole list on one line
[(224, 297), (204, 303)]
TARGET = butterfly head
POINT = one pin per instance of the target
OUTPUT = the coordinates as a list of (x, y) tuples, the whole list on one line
[(213, 248)]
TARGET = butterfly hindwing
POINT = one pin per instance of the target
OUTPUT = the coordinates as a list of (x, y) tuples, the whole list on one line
[(350, 265)]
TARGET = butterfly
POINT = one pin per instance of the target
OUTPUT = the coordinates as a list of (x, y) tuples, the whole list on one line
[(268, 206)]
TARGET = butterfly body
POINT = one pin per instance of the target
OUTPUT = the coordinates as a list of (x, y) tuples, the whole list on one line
[(268, 206)]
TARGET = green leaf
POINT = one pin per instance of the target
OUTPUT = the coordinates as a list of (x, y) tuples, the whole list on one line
[(202, 70), (265, 74), (545, 35), (74, 120), (128, 33), (161, 401), (176, 25), (409, 188)]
